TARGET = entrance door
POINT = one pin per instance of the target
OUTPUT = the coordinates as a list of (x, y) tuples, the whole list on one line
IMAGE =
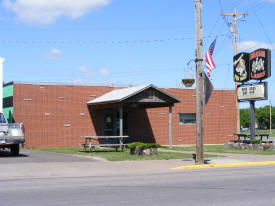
[(108, 128), (108, 124), (111, 122)]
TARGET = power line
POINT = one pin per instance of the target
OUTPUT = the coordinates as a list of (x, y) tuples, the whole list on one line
[(179, 69), (83, 42), (259, 21), (259, 6)]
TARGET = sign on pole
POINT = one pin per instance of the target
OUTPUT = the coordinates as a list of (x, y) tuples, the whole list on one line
[(252, 66), (255, 65), (252, 92), (208, 88), (259, 61), (241, 67)]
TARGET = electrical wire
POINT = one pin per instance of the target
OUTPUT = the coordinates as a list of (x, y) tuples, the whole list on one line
[(83, 42), (259, 21)]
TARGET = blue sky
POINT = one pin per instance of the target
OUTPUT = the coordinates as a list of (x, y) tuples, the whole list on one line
[(126, 42)]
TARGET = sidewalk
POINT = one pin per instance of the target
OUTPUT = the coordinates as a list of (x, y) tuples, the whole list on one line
[(34, 166), (231, 158)]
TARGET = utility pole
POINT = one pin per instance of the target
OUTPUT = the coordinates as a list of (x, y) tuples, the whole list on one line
[(199, 85), (234, 14)]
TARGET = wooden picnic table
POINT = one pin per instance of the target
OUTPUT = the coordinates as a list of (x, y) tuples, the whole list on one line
[(264, 135), (89, 142), (245, 136)]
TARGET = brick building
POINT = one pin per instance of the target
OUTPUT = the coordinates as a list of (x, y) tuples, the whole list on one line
[(57, 115)]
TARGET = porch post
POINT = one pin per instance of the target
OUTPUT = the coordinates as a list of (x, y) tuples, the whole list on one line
[(121, 120), (170, 126)]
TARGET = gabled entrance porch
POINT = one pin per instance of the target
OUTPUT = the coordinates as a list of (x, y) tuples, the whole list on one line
[(115, 110)]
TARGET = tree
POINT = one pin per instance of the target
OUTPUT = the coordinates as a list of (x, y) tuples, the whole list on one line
[(262, 117), (245, 118)]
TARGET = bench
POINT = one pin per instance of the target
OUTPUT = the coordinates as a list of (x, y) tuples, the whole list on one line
[(264, 135), (90, 139)]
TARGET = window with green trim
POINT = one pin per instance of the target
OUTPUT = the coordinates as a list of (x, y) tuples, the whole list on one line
[(187, 118)]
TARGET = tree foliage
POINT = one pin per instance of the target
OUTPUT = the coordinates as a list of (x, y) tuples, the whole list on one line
[(262, 117), (244, 118)]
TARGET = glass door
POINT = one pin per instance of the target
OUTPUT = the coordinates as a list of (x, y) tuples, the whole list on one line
[(108, 124)]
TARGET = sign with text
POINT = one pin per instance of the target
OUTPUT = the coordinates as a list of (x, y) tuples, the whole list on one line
[(252, 92), (241, 67), (255, 65), (259, 61)]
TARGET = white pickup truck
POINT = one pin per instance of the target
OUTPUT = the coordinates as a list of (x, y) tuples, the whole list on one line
[(11, 135)]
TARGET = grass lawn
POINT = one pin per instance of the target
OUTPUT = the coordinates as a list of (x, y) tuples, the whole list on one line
[(221, 149), (258, 131), (111, 155)]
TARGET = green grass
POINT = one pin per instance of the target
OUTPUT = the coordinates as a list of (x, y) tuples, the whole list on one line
[(221, 149), (111, 155), (258, 131)]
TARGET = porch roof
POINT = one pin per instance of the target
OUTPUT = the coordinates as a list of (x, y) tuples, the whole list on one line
[(136, 94)]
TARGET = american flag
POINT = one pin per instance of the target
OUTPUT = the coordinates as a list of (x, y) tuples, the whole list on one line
[(208, 58)]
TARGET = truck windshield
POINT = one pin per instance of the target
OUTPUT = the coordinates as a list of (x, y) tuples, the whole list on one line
[(2, 118)]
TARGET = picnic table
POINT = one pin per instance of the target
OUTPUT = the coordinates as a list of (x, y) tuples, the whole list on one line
[(264, 135), (90, 142), (243, 137)]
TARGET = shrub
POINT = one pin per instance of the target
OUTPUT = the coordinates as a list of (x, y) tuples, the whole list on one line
[(256, 141), (139, 147), (135, 145), (152, 145)]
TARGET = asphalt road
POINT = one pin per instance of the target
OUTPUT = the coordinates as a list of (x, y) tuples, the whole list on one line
[(235, 186), (203, 187)]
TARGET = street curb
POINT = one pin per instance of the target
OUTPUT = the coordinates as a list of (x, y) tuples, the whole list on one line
[(223, 165)]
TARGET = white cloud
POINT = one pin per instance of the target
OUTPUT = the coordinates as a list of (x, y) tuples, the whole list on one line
[(48, 11), (104, 72), (136, 70), (252, 45), (85, 71), (51, 55)]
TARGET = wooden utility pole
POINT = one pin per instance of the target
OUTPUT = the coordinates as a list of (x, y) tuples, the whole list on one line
[(234, 14), (199, 85)]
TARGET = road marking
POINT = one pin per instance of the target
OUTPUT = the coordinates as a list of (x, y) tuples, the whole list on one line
[(244, 164)]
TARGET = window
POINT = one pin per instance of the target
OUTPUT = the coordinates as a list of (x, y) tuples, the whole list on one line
[(187, 118), (2, 118)]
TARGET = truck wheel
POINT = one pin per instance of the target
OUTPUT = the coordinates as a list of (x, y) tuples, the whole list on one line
[(15, 150)]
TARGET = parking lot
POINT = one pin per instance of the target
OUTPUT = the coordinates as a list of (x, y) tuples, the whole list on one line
[(32, 156), (39, 164)]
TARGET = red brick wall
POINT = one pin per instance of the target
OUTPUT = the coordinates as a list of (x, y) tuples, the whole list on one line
[(146, 125), (219, 119), (49, 131)]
